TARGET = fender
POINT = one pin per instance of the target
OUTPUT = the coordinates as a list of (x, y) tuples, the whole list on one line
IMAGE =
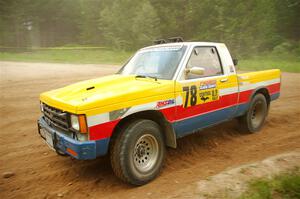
[(262, 89), (152, 112)]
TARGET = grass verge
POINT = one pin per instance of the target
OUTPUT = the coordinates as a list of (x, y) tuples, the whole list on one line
[(89, 55), (285, 186), (284, 63), (81, 56)]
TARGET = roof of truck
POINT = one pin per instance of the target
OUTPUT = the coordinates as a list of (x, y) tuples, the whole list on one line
[(185, 43)]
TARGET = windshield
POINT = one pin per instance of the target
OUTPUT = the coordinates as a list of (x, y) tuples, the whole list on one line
[(157, 62)]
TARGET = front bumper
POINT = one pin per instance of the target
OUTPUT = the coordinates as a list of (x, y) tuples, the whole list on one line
[(77, 149)]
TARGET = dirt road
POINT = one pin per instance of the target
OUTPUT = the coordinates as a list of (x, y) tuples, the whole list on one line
[(40, 173)]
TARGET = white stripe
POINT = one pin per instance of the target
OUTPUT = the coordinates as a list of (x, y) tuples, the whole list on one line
[(141, 107), (149, 106), (104, 117), (97, 119), (258, 84), (179, 100), (228, 91)]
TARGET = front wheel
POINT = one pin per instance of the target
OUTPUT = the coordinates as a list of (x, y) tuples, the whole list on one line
[(138, 151), (255, 117)]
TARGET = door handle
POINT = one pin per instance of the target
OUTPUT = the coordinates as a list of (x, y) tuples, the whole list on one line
[(224, 80)]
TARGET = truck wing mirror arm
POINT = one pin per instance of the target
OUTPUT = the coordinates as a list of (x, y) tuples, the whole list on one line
[(235, 62)]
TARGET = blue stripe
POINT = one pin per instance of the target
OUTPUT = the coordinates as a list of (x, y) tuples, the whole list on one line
[(242, 109), (190, 125), (85, 150), (102, 146), (275, 96)]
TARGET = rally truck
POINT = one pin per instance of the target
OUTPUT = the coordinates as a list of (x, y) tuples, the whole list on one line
[(162, 93)]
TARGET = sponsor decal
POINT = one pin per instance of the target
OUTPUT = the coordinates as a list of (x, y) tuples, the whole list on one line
[(209, 95), (208, 84), (195, 95), (161, 104)]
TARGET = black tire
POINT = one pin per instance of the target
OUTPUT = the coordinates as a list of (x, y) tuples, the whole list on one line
[(133, 162), (255, 117)]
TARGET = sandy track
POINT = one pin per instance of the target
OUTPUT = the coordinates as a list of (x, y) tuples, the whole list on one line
[(40, 173)]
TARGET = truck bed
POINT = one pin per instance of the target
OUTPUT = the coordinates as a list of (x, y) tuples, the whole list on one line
[(267, 81)]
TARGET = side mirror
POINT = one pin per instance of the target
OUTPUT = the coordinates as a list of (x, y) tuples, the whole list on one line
[(235, 62), (195, 70)]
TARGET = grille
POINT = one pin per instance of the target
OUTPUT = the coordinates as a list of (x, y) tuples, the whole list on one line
[(55, 117)]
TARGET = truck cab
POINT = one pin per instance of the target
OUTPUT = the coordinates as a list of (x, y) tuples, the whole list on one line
[(162, 93)]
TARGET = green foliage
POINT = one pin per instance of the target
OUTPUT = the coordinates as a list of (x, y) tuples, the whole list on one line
[(284, 62), (282, 48), (289, 185), (260, 189), (128, 24), (282, 186), (247, 27), (288, 12), (87, 22), (285, 48)]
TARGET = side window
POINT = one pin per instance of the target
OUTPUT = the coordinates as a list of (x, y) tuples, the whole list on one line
[(206, 58)]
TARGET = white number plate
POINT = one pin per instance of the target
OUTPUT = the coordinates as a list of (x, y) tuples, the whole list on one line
[(47, 137)]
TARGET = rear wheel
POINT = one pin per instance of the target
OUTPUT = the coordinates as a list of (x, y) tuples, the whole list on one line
[(256, 115), (138, 151)]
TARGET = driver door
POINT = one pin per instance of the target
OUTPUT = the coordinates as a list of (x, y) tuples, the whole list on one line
[(201, 103)]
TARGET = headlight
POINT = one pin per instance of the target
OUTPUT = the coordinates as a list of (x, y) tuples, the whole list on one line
[(75, 122), (42, 106), (78, 123)]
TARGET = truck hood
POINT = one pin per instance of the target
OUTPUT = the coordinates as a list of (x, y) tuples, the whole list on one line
[(105, 91)]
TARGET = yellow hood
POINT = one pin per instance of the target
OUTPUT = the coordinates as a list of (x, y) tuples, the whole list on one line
[(105, 91)]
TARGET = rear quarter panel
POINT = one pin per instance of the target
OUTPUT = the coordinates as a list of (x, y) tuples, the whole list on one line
[(250, 82)]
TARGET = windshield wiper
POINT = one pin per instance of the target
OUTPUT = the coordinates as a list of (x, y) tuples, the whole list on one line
[(146, 76)]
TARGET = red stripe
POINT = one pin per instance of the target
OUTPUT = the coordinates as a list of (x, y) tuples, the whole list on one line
[(169, 113), (172, 114), (224, 101), (274, 88), (245, 96), (101, 131)]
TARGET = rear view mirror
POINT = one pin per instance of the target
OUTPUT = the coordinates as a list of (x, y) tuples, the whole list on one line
[(235, 62), (195, 70)]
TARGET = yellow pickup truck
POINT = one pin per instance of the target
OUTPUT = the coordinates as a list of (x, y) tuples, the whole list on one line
[(164, 92)]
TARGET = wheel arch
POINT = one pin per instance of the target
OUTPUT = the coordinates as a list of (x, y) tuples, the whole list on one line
[(154, 115), (264, 91)]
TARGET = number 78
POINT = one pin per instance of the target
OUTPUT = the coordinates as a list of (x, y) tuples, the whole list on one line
[(193, 97)]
